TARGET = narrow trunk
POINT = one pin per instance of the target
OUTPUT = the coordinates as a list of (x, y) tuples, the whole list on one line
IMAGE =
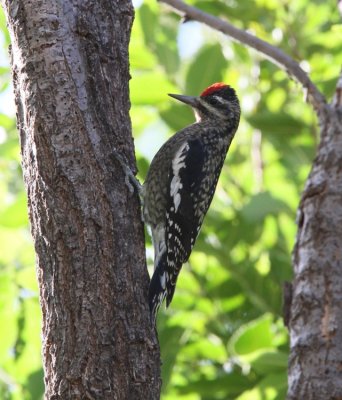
[(315, 319), (70, 74)]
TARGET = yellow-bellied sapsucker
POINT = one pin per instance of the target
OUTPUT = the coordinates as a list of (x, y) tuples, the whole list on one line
[(181, 182)]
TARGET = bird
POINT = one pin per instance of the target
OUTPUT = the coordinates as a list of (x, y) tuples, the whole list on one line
[(181, 182)]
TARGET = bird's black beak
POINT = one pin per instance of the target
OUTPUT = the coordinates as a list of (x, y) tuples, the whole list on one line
[(191, 100)]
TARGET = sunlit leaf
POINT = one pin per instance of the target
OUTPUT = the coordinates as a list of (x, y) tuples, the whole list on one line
[(201, 72), (253, 336), (15, 215), (145, 88)]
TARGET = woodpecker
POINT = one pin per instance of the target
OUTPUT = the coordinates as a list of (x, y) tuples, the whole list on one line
[(181, 182)]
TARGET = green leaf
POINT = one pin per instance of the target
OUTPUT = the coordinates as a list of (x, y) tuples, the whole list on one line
[(169, 339), (9, 150), (145, 88), (177, 116), (148, 20), (253, 336), (15, 215), (268, 362), (168, 57), (207, 68), (3, 28), (6, 122), (8, 314), (35, 384), (276, 123), (231, 384), (261, 205), (273, 387)]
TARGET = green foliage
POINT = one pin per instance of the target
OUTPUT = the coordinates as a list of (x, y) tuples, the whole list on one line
[(223, 336)]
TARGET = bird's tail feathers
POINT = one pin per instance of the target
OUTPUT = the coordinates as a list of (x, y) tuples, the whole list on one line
[(157, 289)]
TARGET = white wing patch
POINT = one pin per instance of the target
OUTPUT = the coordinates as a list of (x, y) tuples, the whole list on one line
[(177, 164)]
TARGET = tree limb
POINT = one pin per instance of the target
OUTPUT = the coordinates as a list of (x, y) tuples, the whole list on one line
[(274, 54)]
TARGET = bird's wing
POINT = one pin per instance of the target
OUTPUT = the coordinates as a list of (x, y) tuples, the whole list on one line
[(182, 225)]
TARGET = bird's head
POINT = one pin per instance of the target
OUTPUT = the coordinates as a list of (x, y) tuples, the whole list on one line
[(218, 101)]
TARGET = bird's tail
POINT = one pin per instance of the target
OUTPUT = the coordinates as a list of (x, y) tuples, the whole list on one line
[(157, 290)]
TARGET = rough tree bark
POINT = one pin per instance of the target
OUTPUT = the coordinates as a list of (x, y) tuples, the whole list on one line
[(315, 320), (70, 74)]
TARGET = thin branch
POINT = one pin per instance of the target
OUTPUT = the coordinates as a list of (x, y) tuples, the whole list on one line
[(274, 54)]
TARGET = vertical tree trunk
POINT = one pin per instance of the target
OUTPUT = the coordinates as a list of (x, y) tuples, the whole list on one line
[(70, 74), (315, 365)]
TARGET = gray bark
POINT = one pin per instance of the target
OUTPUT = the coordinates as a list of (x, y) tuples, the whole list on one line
[(70, 74), (315, 319)]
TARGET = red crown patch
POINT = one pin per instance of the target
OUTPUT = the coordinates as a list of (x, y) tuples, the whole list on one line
[(213, 88)]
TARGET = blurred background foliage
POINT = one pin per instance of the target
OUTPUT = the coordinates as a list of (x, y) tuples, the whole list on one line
[(223, 336)]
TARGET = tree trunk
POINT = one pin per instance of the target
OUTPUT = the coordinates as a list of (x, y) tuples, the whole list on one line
[(70, 74), (315, 321)]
